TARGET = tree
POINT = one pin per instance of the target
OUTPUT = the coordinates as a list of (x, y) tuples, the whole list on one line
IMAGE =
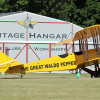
[(81, 12), (13, 5), (84, 12)]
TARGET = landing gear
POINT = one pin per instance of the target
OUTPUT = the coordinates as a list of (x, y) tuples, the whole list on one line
[(22, 74), (91, 76), (95, 73)]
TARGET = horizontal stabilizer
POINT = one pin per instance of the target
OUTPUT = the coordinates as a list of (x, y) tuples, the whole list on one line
[(7, 62)]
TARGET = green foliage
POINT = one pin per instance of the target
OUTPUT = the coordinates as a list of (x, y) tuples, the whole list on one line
[(13, 5), (81, 12), (84, 12)]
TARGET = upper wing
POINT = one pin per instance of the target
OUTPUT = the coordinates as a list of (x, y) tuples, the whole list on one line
[(88, 32)]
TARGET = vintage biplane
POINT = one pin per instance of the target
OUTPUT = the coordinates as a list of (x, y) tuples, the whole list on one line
[(68, 61)]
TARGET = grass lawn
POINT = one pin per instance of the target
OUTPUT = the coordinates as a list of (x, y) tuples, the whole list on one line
[(50, 88)]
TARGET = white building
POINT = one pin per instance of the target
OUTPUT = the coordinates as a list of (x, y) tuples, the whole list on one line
[(29, 36)]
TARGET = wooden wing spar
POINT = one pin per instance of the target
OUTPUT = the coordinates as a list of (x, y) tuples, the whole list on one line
[(82, 34), (88, 32), (63, 42)]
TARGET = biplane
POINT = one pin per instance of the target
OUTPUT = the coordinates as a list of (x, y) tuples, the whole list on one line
[(69, 61)]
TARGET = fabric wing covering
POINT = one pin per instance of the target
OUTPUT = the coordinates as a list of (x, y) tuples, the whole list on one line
[(82, 34)]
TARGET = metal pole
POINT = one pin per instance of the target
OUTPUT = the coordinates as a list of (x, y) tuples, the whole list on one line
[(49, 53)]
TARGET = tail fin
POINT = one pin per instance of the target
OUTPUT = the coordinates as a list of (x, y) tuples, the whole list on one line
[(6, 62)]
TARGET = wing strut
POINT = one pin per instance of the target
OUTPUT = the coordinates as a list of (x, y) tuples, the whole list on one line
[(86, 46), (83, 49), (98, 42), (79, 45), (73, 49)]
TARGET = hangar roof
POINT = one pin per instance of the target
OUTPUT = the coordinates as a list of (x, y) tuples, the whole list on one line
[(10, 13)]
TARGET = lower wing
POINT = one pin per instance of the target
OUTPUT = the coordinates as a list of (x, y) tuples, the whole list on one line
[(89, 62)]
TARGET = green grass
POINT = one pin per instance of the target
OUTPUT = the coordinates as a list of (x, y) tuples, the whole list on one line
[(49, 88)]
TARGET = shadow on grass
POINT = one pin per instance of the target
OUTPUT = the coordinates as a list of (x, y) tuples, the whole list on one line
[(9, 78)]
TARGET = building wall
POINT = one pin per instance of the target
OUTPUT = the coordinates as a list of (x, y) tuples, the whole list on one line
[(46, 30)]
